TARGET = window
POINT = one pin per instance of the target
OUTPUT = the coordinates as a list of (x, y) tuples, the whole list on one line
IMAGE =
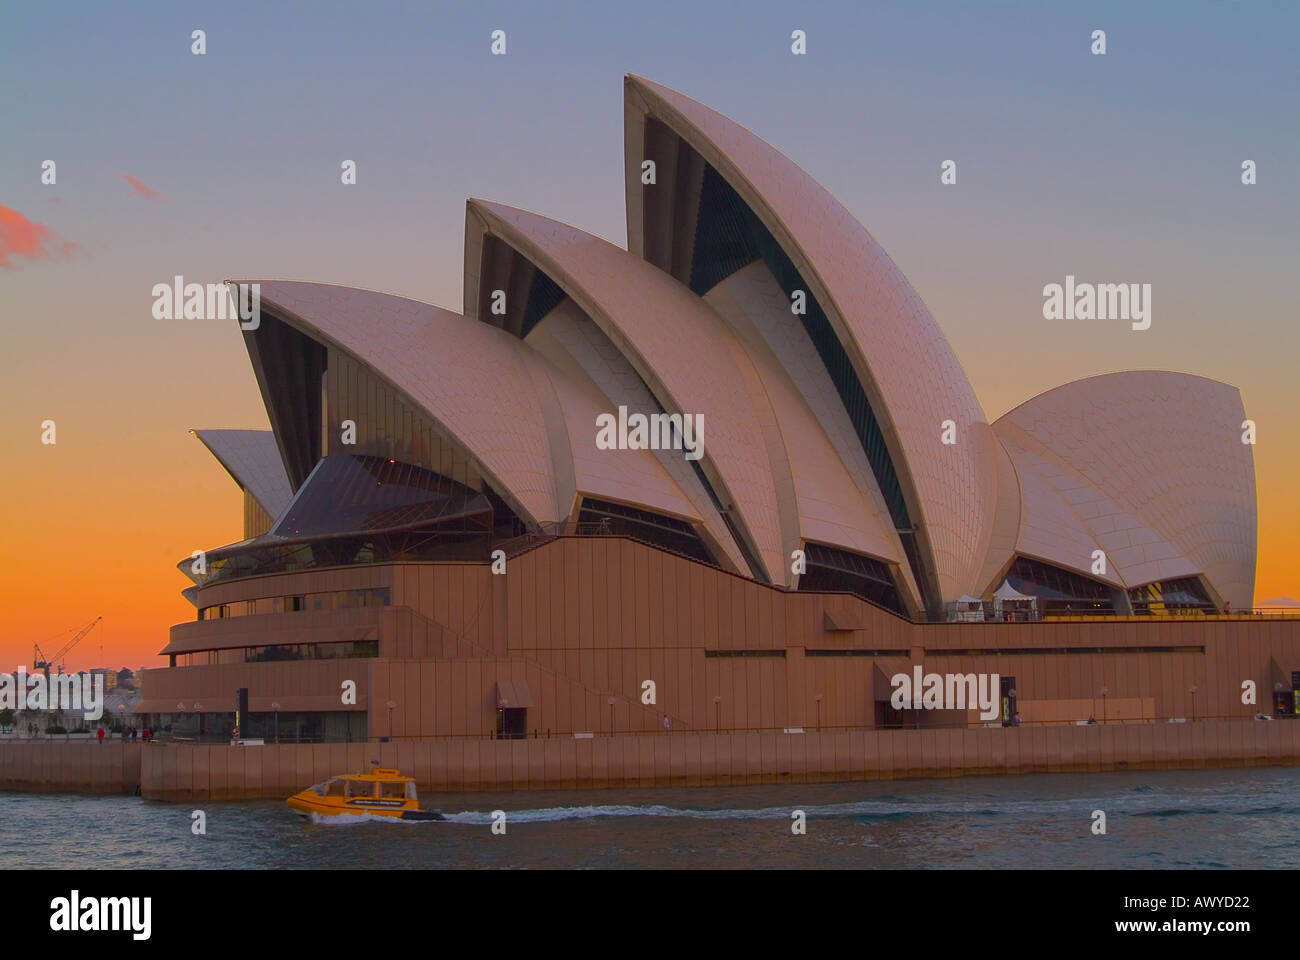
[(544, 295), (360, 788), (393, 790), (345, 650), (330, 788), (615, 519), (839, 570), (1182, 596), (856, 652), (1060, 592)]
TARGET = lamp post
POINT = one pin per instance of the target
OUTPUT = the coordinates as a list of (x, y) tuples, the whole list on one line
[(391, 704), (818, 698), (1192, 690), (276, 707), (717, 714), (611, 716), (1104, 691)]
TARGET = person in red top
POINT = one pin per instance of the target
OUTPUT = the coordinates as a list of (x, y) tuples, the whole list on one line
[(100, 734)]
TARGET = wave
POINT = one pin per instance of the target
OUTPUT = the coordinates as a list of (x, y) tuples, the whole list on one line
[(1147, 803)]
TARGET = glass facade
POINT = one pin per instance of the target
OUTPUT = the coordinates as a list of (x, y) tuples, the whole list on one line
[(841, 571), (544, 295), (1186, 595), (616, 519), (347, 650), (292, 368), (350, 494), (336, 726), (362, 509), (335, 650), (1060, 592), (336, 600)]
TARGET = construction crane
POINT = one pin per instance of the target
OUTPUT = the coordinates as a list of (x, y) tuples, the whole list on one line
[(42, 662)]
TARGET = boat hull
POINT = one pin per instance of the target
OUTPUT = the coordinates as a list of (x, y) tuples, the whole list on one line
[(357, 807)]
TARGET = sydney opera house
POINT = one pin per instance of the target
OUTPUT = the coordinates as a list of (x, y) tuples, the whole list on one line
[(442, 565)]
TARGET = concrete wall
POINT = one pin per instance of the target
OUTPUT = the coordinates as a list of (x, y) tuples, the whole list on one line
[(53, 765), (182, 772), (595, 617)]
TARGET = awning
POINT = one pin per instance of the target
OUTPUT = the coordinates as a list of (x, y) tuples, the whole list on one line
[(1278, 679), (513, 695), (839, 620), (885, 670)]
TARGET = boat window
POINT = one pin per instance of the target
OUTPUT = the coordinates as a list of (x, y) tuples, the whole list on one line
[(397, 790), (410, 790), (360, 788), (334, 788)]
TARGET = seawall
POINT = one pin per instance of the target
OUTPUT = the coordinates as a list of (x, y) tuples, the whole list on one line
[(77, 766), (184, 772), (179, 772)]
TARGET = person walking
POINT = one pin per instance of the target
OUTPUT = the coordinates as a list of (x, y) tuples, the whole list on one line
[(100, 734)]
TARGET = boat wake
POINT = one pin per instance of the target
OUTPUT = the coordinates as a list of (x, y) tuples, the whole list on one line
[(355, 818), (1145, 804)]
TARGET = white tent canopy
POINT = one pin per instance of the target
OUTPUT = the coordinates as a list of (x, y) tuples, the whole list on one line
[(1008, 592)]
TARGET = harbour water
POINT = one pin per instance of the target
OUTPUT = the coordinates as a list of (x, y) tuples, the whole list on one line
[(1197, 819)]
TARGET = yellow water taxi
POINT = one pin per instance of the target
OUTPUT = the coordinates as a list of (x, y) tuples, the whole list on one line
[(380, 793)]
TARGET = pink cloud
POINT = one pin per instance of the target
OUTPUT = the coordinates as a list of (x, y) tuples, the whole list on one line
[(141, 188), (20, 237)]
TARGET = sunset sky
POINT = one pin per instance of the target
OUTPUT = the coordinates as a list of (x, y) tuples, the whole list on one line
[(1117, 168)]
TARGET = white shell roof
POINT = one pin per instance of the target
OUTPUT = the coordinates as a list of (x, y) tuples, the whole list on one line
[(908, 369), (673, 340), (634, 477), (252, 458), (505, 405), (831, 508), (1147, 466), (572, 342), (1152, 464)]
